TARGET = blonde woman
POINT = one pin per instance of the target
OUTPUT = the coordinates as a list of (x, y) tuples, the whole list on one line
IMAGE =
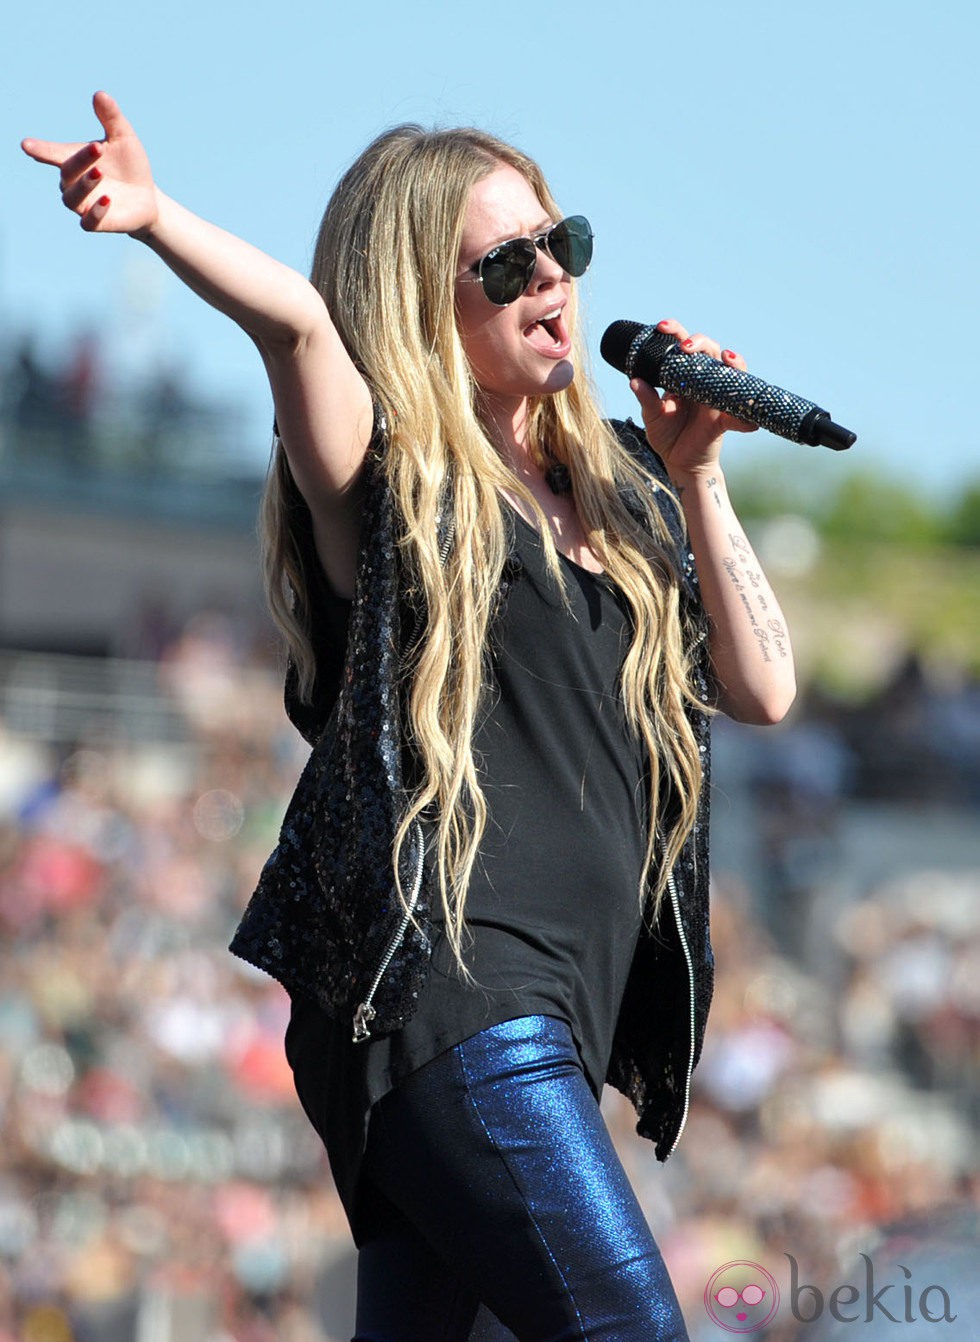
[(507, 623)]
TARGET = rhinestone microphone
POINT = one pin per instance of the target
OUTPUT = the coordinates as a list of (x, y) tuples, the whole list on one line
[(648, 353)]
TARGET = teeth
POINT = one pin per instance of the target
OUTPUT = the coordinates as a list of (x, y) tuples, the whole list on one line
[(550, 316)]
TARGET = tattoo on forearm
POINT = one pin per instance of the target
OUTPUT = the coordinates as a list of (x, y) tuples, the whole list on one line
[(780, 637), (734, 576), (763, 639), (771, 636)]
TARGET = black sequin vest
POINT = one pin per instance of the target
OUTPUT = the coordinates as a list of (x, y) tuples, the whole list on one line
[(326, 919)]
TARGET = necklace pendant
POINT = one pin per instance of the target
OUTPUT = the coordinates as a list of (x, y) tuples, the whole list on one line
[(558, 478)]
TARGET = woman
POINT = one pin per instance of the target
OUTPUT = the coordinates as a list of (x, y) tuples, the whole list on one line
[(507, 622)]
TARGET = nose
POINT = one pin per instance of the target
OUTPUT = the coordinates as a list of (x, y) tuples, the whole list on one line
[(547, 271)]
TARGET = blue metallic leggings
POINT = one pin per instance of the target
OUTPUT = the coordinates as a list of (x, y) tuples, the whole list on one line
[(499, 1208)]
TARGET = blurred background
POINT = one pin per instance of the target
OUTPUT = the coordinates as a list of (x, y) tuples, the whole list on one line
[(794, 182)]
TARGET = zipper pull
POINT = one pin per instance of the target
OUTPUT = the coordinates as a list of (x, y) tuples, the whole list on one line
[(363, 1016)]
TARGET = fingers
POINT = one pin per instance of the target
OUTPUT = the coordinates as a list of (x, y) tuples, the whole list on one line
[(62, 155), (649, 399), (96, 212), (700, 344), (49, 151), (81, 178), (671, 404), (110, 116), (75, 195)]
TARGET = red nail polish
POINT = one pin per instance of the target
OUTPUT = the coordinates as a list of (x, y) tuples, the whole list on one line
[(662, 326), (686, 344), (94, 175), (102, 200), (729, 354), (94, 150)]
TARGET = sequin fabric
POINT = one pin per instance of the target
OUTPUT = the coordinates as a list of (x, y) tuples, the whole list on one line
[(662, 1019), (326, 911)]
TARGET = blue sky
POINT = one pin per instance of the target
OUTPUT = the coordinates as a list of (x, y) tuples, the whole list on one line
[(799, 180)]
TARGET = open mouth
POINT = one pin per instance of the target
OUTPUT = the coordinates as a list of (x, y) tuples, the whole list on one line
[(549, 334)]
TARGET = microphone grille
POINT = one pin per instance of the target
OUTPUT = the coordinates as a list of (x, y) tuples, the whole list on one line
[(615, 344)]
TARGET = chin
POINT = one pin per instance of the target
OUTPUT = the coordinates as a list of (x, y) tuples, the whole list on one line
[(560, 377)]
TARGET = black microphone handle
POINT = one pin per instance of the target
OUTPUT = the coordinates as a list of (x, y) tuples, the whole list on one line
[(656, 357)]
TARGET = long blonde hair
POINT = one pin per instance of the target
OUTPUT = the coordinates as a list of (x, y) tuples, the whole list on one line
[(385, 259)]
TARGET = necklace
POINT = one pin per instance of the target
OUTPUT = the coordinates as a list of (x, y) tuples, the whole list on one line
[(558, 478)]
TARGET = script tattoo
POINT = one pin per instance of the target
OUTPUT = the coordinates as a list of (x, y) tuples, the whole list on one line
[(780, 637), (734, 576), (763, 639)]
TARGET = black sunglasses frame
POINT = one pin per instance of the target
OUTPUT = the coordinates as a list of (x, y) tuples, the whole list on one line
[(507, 269)]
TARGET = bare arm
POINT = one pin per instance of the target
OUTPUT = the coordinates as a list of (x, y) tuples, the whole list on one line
[(750, 646), (323, 405)]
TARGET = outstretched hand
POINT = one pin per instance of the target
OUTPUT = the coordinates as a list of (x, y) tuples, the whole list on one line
[(686, 435), (107, 183)]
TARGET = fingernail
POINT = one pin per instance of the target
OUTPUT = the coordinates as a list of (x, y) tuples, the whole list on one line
[(729, 354), (94, 175), (662, 326), (686, 344), (103, 201), (94, 151)]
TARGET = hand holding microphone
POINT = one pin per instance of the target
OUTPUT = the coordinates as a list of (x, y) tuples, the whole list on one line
[(656, 356)]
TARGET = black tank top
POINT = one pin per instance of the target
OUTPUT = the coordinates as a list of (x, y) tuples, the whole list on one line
[(553, 909)]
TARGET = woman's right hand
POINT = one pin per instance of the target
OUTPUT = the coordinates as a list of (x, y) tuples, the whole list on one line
[(107, 182)]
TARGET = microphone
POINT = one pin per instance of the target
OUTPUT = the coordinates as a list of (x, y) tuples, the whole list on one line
[(645, 352)]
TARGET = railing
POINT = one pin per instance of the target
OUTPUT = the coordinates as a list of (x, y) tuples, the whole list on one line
[(56, 698)]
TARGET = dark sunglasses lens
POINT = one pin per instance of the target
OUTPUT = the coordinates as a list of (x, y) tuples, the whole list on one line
[(570, 243), (506, 271)]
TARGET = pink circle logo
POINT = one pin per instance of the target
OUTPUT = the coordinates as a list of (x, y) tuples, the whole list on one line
[(741, 1296)]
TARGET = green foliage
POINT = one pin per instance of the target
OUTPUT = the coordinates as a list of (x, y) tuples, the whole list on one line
[(856, 504), (866, 506), (964, 521), (895, 571), (865, 605)]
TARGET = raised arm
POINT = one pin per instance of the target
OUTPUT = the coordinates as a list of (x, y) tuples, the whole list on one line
[(750, 645), (323, 405)]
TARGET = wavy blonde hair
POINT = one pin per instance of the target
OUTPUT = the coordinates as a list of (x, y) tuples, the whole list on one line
[(385, 261)]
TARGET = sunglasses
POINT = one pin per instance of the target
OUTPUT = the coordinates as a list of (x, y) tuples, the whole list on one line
[(507, 270)]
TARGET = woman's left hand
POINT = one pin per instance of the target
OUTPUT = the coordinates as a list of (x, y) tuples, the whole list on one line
[(686, 435)]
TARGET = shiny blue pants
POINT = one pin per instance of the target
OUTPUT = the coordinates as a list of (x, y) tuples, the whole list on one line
[(499, 1208)]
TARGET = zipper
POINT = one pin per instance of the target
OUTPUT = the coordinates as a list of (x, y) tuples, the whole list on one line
[(675, 904), (366, 1013)]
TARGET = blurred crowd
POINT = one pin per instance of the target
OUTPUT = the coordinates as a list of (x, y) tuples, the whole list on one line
[(157, 1178), (70, 414)]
